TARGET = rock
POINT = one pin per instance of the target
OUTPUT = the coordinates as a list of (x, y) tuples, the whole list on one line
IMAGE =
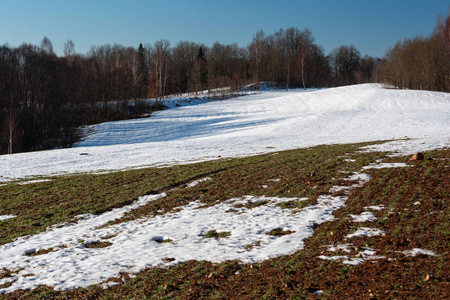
[(417, 156), (30, 251)]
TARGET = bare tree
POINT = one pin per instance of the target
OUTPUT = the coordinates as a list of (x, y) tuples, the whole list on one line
[(345, 61), (184, 56), (11, 131), (257, 51), (47, 46), (160, 59), (69, 51)]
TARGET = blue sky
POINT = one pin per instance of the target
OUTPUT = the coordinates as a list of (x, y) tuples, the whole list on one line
[(371, 25)]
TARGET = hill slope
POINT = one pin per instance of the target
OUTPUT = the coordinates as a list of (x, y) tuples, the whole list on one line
[(253, 124)]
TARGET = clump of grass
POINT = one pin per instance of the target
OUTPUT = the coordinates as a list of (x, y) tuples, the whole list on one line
[(215, 234), (5, 273), (97, 244), (163, 241), (294, 204), (252, 245), (41, 252), (6, 285), (279, 232), (250, 205)]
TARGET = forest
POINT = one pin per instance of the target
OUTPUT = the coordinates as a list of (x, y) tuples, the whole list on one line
[(45, 98)]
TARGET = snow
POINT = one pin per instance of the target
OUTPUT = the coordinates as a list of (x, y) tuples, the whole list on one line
[(367, 254), (376, 207), (418, 251), (344, 247), (365, 231), (6, 217), (318, 292), (257, 123), (194, 183), (34, 181), (365, 216), (385, 166)]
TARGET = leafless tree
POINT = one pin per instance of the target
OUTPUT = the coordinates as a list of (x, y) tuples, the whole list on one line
[(257, 51), (160, 60), (69, 51), (345, 61), (47, 46), (11, 131)]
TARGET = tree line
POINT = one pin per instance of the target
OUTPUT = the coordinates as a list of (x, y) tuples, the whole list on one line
[(45, 98), (422, 62)]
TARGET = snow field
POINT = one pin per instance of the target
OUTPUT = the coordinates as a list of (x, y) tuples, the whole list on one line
[(252, 124)]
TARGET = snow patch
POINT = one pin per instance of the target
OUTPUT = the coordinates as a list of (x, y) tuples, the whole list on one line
[(34, 181), (366, 216), (362, 178), (368, 254), (376, 207), (194, 183), (6, 217), (365, 231), (385, 166), (418, 251), (343, 247)]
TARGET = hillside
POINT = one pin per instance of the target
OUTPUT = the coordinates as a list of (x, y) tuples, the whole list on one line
[(254, 124), (332, 221)]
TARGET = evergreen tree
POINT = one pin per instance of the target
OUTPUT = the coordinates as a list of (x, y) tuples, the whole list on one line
[(203, 68), (142, 73)]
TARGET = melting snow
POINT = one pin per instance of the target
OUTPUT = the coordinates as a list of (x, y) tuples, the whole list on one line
[(364, 217), (343, 247), (137, 244), (6, 217), (192, 184), (376, 207), (385, 165), (368, 254), (365, 231), (418, 251)]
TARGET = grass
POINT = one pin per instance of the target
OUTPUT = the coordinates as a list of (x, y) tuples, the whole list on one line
[(252, 245), (215, 234), (279, 232), (302, 173), (97, 244)]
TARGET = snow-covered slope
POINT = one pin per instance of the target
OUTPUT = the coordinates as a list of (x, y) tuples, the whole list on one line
[(264, 122)]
